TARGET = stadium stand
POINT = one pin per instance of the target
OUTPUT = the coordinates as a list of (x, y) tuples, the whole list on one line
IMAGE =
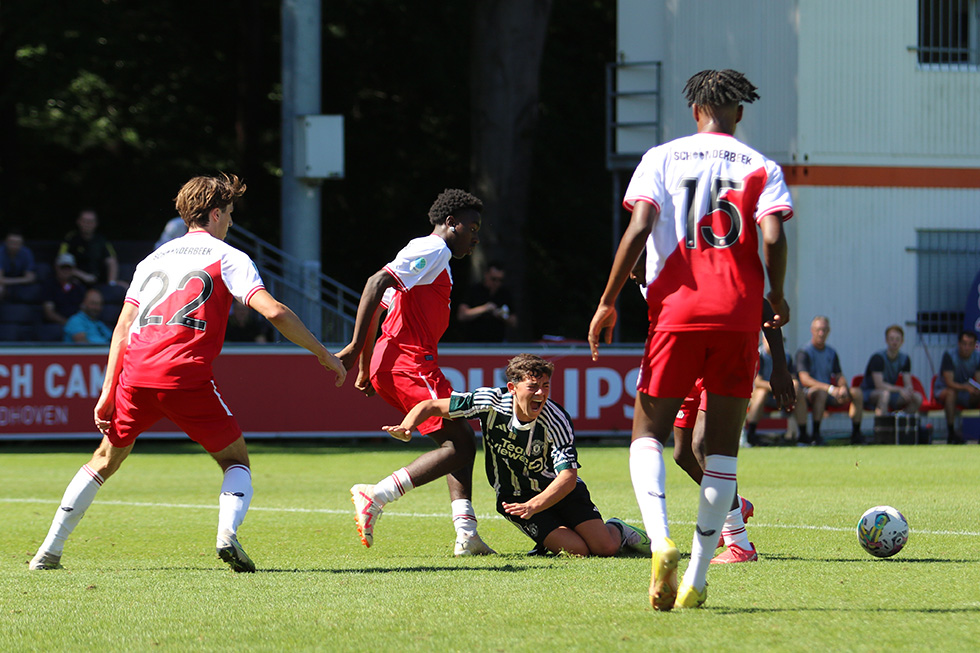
[(23, 321)]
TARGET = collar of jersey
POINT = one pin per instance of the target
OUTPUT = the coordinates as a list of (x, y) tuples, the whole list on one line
[(517, 425)]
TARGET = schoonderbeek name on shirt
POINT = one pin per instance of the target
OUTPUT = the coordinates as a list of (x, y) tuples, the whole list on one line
[(186, 251), (727, 155)]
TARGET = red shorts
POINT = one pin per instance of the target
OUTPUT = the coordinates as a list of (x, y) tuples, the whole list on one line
[(404, 389), (199, 412), (674, 360), (696, 399)]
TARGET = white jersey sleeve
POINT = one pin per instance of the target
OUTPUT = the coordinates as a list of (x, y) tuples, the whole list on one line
[(240, 275), (647, 183), (775, 197), (420, 262)]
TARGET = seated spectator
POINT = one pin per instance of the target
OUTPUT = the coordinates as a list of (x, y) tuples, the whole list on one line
[(84, 327), (175, 228), (17, 276), (62, 295), (762, 398), (95, 258), (485, 311), (824, 384), (245, 325), (882, 374), (958, 383)]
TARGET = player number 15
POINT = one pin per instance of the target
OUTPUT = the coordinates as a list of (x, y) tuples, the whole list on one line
[(716, 203)]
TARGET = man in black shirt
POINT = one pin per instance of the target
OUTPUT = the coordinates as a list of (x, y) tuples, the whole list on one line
[(485, 312)]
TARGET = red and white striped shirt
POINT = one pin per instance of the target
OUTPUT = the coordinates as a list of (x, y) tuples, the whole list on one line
[(183, 292), (702, 257), (418, 306)]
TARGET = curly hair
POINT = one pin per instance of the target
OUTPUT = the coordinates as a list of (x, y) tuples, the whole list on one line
[(201, 194), (716, 88), (450, 201), (528, 366)]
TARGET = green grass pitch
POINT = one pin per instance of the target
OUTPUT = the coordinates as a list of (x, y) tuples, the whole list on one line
[(141, 573)]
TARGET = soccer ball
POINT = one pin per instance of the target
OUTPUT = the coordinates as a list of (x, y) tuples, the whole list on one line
[(882, 531)]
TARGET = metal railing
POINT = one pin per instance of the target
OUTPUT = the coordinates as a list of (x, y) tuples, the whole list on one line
[(325, 305), (648, 100)]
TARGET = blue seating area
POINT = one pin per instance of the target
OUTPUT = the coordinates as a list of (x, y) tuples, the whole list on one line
[(21, 313)]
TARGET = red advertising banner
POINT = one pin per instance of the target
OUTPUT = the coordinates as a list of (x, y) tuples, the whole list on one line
[(48, 393)]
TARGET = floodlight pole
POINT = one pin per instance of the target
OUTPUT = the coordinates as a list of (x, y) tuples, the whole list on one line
[(300, 201)]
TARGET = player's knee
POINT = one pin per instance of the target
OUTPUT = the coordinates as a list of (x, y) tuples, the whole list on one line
[(463, 450), (573, 549), (107, 459), (680, 454), (604, 549)]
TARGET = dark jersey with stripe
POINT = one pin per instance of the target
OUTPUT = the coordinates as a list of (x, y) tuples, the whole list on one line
[(890, 369), (521, 459), (822, 364)]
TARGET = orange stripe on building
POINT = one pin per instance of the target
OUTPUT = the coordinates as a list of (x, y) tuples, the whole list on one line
[(803, 175)]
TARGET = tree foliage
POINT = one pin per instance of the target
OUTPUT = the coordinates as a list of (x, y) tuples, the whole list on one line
[(114, 104)]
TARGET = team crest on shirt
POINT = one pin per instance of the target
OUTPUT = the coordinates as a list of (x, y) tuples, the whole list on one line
[(537, 448), (418, 264)]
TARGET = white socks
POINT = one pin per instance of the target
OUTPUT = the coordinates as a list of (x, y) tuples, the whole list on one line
[(393, 487), (649, 482), (464, 519), (78, 497), (717, 492), (236, 494), (734, 530)]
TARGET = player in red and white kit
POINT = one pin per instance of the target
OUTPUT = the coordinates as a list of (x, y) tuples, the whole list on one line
[(695, 203), (403, 366), (169, 332), (689, 440)]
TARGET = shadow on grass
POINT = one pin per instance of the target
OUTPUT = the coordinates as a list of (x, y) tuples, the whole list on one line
[(777, 557), (391, 570), (720, 611)]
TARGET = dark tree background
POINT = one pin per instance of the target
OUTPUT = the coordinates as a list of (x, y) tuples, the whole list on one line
[(113, 105)]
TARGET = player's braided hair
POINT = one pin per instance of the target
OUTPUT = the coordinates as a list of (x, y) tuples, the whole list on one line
[(450, 201), (716, 88), (528, 366)]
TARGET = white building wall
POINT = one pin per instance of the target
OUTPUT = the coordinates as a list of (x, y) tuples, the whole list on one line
[(852, 265), (864, 99), (839, 87), (757, 38)]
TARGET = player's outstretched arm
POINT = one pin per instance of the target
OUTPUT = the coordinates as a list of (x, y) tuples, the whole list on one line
[(419, 413), (289, 325), (367, 307), (630, 248), (363, 380), (106, 404)]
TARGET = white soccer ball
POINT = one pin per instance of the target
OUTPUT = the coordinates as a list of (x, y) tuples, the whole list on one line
[(882, 531)]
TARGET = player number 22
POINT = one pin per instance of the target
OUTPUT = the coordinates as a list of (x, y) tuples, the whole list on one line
[(181, 316), (716, 203)]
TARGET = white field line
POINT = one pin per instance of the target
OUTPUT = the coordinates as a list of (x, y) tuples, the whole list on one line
[(388, 513)]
